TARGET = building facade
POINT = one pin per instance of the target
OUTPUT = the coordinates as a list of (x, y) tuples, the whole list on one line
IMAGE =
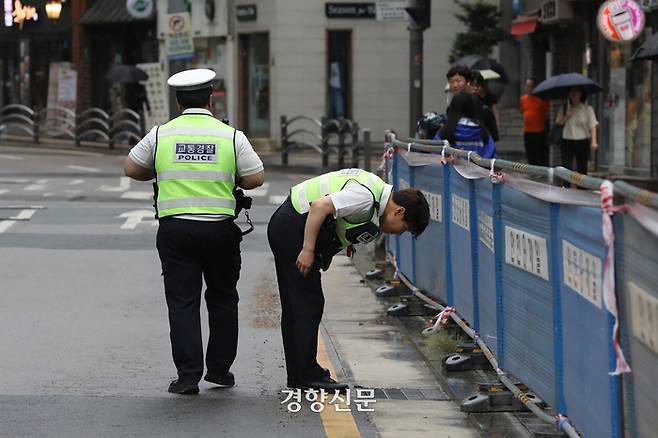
[(560, 36), (317, 58), (29, 43)]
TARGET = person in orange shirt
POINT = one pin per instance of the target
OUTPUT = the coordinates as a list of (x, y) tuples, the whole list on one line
[(535, 112)]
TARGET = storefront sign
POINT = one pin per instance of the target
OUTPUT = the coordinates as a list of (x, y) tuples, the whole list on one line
[(140, 8), (20, 14), (178, 36), (350, 10), (246, 12), (620, 20), (391, 10)]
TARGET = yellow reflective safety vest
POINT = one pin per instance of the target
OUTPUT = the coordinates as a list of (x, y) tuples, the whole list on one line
[(349, 230), (195, 166)]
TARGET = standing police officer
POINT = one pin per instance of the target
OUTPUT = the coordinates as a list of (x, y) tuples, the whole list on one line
[(320, 217), (197, 162)]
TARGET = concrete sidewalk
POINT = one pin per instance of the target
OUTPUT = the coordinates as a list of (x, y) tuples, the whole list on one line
[(373, 351)]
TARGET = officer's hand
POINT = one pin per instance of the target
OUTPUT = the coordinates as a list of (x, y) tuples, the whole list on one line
[(305, 261)]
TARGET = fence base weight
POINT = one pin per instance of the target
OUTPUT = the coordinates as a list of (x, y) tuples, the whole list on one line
[(411, 309), (495, 397)]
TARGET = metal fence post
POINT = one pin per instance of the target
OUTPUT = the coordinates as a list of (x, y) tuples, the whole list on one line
[(366, 149), (284, 140)]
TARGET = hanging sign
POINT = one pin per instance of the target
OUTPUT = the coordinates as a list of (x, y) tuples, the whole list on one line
[(620, 20), (140, 8), (350, 10)]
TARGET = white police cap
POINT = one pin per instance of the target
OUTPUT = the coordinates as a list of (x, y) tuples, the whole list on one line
[(190, 80)]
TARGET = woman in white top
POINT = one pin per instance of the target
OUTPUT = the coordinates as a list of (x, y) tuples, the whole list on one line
[(579, 132)]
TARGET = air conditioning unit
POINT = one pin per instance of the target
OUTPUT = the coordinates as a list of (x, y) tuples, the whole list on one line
[(553, 11)]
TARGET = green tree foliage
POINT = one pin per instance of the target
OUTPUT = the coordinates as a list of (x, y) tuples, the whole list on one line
[(483, 30)]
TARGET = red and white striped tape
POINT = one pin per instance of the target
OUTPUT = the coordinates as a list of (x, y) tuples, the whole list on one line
[(609, 297)]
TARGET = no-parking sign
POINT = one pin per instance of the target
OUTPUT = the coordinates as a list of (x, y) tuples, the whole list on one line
[(178, 37)]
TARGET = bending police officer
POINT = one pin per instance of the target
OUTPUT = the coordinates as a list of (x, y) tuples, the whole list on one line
[(320, 217), (197, 162)]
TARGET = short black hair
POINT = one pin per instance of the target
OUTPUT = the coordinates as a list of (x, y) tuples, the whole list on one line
[(416, 209), (460, 70), (477, 78), (194, 98)]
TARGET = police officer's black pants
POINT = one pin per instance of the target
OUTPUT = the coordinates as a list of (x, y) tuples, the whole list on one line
[(302, 300), (190, 250)]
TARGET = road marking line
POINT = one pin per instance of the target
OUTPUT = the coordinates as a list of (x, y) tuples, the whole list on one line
[(39, 184), (13, 180), (23, 215), (75, 182), (134, 218), (3, 191), (86, 169), (10, 157), (336, 424), (259, 191), (277, 199), (124, 184), (4, 225), (137, 195)]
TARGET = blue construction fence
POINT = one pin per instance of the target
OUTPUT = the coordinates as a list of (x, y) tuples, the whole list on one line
[(525, 270)]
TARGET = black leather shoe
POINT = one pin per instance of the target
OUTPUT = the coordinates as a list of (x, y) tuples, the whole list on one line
[(327, 383), (291, 383), (185, 388), (225, 381)]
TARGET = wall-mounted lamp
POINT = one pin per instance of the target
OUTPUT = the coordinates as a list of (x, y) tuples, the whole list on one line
[(53, 9)]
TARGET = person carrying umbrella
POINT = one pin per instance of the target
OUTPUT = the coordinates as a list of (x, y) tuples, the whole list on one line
[(579, 130), (576, 119)]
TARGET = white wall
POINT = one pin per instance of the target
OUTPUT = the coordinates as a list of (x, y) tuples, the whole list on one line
[(380, 66)]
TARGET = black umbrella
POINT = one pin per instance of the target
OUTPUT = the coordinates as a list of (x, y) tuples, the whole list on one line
[(648, 50), (477, 62), (557, 87), (125, 74)]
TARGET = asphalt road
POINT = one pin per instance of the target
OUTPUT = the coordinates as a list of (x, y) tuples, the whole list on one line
[(83, 327)]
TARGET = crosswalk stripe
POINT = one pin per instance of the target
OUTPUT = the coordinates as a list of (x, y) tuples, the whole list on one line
[(38, 185), (277, 199), (137, 195), (4, 225), (24, 215), (84, 168)]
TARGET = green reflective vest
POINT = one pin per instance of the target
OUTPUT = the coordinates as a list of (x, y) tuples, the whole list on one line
[(195, 167), (348, 228)]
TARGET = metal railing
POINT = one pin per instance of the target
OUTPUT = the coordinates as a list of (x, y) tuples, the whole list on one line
[(327, 137), (89, 125), (543, 275)]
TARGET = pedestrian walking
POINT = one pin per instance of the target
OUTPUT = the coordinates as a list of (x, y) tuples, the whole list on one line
[(579, 130), (535, 113), (198, 162), (320, 217), (465, 129)]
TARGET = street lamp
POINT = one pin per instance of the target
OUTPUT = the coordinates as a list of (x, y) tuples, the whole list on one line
[(53, 9)]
